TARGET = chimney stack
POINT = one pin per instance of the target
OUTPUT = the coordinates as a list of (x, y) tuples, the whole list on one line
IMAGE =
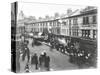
[(69, 11)]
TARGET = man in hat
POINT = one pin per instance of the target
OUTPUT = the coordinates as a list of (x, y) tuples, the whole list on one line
[(35, 60), (26, 53), (40, 60), (47, 63)]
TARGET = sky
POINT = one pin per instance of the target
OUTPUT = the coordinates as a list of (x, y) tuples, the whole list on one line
[(43, 9)]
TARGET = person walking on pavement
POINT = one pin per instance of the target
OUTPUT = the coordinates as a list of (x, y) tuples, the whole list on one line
[(44, 57), (33, 42), (26, 53), (40, 60), (25, 50), (47, 63), (35, 60)]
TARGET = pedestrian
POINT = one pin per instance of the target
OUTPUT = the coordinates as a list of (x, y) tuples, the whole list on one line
[(26, 53), (44, 56), (33, 42), (35, 60), (47, 63), (23, 56), (40, 60), (23, 50)]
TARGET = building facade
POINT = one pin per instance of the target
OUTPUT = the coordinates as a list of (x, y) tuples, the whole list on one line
[(80, 23), (52, 26), (89, 24)]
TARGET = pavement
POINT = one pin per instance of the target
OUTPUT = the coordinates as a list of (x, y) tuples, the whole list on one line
[(58, 61)]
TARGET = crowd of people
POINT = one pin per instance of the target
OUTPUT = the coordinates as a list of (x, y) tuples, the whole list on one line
[(41, 62), (23, 52), (77, 49)]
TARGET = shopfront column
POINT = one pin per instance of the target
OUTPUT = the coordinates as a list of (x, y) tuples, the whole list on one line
[(91, 33)]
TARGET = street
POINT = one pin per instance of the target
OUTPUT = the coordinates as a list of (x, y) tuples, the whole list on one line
[(58, 61)]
